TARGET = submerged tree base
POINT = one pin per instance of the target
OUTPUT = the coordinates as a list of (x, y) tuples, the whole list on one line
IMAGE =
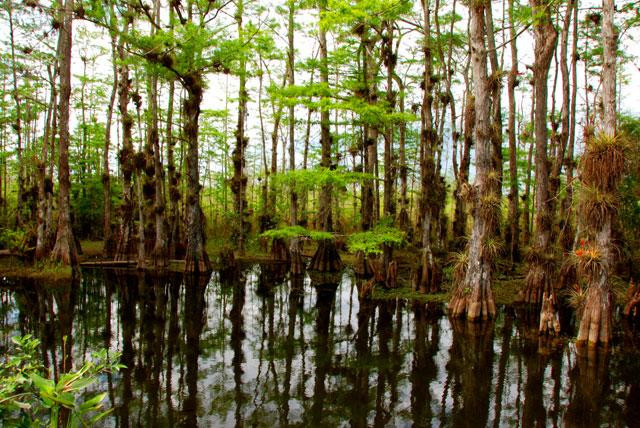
[(595, 325), (427, 277), (361, 266), (473, 298), (549, 321), (538, 280), (280, 251), (473, 307), (197, 263), (297, 263), (326, 258)]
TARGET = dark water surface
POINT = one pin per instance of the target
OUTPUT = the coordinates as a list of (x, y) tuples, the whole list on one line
[(259, 350)]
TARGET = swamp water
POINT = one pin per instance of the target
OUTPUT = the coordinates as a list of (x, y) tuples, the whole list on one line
[(263, 350)]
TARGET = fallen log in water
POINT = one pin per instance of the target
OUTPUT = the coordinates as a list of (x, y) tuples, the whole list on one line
[(110, 263), (22, 255)]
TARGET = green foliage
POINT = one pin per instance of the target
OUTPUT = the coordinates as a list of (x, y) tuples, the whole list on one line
[(371, 241), (310, 179), (87, 205), (370, 12), (287, 232), (28, 397), (290, 232), (14, 240)]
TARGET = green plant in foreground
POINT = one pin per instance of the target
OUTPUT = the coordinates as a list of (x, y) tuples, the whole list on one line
[(28, 397)]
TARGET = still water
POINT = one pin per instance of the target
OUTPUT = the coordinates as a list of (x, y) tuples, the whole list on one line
[(261, 349)]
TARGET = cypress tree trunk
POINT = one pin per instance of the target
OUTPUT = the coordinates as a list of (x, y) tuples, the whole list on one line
[(239, 181), (173, 218), (427, 280), (404, 222), (174, 191), (294, 248), (160, 253), (473, 297), (496, 104), (369, 96), (45, 186), (305, 158), (50, 232), (196, 259), (124, 248), (565, 214), (541, 263), (602, 169), (389, 176), (460, 213), (326, 258), (64, 249), (563, 137), (526, 198)]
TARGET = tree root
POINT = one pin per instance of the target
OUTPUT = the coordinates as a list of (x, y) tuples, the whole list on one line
[(549, 321)]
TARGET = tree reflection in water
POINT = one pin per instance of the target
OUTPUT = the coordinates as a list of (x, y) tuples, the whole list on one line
[(259, 347)]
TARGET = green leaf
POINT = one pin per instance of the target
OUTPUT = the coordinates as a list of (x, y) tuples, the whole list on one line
[(100, 416), (93, 402), (44, 385)]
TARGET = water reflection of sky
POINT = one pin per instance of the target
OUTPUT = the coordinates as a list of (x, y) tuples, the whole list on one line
[(254, 351)]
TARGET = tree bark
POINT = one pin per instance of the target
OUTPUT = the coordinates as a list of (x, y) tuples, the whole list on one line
[(196, 259), (460, 213), (124, 248), (427, 269), (326, 258), (294, 248), (239, 180), (45, 185), (473, 297), (565, 215), (64, 249), (369, 96), (160, 253), (595, 325), (541, 264), (496, 97), (389, 176)]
